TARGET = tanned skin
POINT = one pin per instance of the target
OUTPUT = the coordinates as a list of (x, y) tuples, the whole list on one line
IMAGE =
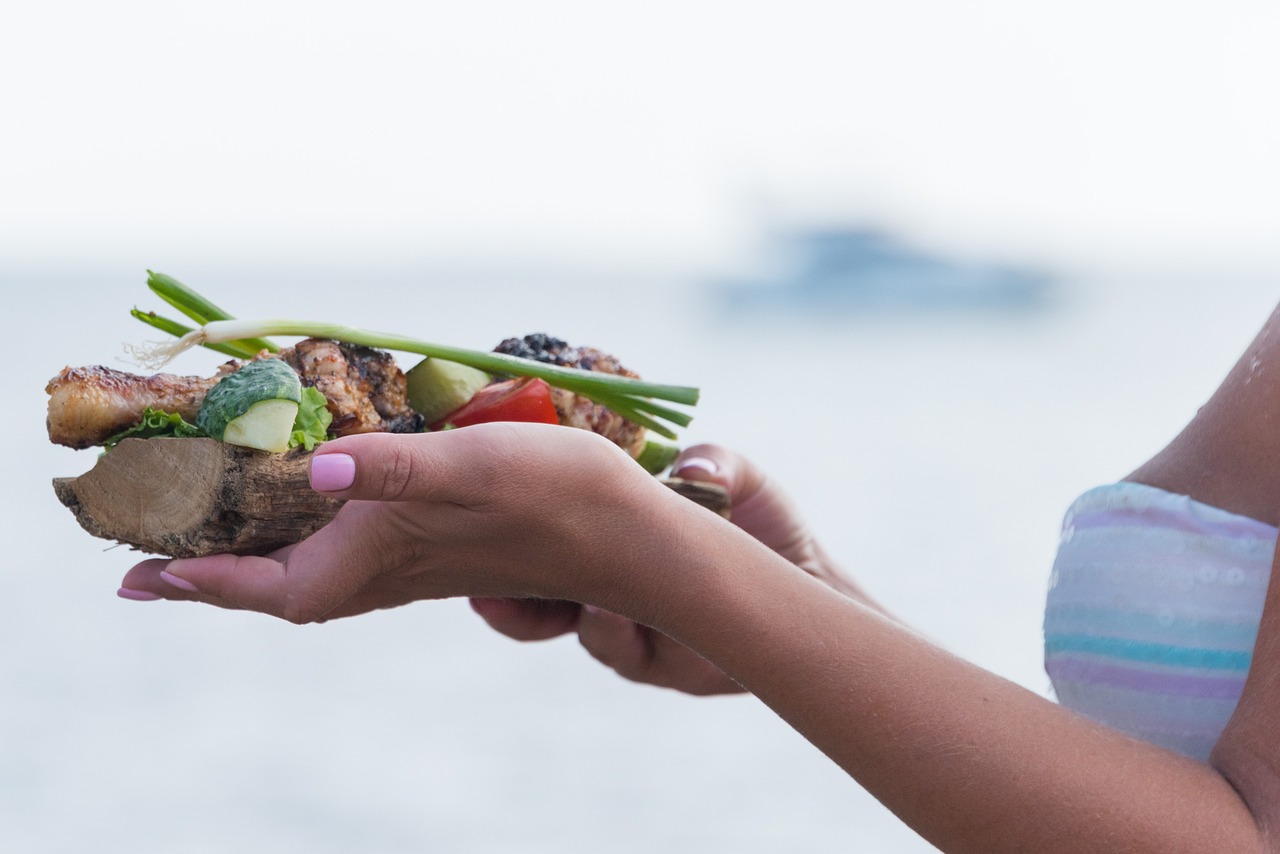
[(969, 760)]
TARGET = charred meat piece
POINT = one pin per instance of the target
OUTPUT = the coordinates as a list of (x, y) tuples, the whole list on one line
[(541, 347), (89, 405), (365, 389), (574, 410)]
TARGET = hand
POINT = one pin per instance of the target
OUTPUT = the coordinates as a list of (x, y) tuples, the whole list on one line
[(488, 510), (641, 654)]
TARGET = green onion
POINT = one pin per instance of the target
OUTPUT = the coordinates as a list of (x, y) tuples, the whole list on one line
[(622, 406), (675, 416), (176, 329), (629, 397), (198, 308)]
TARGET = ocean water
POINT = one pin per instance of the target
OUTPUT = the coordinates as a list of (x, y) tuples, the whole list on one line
[(934, 455)]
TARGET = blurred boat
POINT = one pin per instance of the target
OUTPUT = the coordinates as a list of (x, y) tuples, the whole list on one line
[(855, 269)]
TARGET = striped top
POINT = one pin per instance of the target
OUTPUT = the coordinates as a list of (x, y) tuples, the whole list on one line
[(1153, 608)]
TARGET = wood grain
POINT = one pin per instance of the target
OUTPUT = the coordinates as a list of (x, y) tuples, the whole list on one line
[(191, 497)]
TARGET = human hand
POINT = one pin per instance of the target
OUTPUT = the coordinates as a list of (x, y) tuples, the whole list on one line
[(642, 654), (499, 510)]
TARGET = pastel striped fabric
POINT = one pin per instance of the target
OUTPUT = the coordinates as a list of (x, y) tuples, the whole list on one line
[(1152, 612)]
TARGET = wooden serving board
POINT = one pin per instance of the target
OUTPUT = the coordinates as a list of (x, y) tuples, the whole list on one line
[(193, 497)]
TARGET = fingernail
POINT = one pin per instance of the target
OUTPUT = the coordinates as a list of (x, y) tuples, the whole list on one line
[(592, 610), (332, 472), (180, 583), (137, 595), (699, 463)]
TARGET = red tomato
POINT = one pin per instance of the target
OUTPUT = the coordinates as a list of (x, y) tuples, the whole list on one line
[(524, 399)]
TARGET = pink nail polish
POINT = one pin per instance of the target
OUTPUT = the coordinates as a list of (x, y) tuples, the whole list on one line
[(137, 595), (180, 583), (699, 463), (332, 472)]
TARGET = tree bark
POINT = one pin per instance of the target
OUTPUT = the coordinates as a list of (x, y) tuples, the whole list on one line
[(193, 497)]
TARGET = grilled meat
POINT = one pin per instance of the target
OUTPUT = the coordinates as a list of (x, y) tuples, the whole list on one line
[(89, 405), (575, 410), (364, 389)]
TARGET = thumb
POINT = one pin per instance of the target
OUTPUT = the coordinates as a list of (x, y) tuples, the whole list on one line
[(460, 466), (759, 507), (713, 464), (451, 465), (375, 466)]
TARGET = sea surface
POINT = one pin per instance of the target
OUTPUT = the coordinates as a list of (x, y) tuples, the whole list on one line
[(934, 453)]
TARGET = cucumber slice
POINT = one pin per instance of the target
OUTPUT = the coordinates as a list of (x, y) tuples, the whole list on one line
[(267, 425), (243, 395), (436, 387)]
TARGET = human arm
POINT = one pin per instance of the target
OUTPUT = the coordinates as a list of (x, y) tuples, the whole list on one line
[(971, 761), (642, 654)]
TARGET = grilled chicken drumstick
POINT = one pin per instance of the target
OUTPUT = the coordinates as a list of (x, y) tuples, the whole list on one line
[(87, 406)]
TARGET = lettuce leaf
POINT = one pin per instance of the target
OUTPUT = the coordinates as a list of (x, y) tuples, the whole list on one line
[(312, 424), (155, 422), (309, 429)]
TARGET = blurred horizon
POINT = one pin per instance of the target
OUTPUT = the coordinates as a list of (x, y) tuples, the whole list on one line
[(1130, 134)]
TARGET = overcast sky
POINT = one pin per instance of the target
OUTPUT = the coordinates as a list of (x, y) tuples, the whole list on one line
[(1140, 129)]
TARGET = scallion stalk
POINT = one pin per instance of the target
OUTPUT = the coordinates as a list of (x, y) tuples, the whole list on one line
[(675, 416), (623, 406), (164, 324), (628, 396), (199, 308)]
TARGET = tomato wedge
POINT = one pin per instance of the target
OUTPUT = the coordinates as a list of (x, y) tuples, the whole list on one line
[(524, 399)]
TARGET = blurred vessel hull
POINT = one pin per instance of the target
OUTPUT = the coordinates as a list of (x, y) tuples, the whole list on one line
[(852, 270)]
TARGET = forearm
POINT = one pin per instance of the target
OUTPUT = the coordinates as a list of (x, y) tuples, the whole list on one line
[(971, 761), (829, 573)]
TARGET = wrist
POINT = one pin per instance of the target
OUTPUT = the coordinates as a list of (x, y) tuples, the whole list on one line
[(644, 547), (831, 574)]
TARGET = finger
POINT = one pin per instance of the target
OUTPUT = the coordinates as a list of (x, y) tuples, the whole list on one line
[(450, 465), (641, 654), (714, 464), (527, 619), (759, 507), (151, 580), (145, 582), (615, 642), (239, 581), (302, 583)]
